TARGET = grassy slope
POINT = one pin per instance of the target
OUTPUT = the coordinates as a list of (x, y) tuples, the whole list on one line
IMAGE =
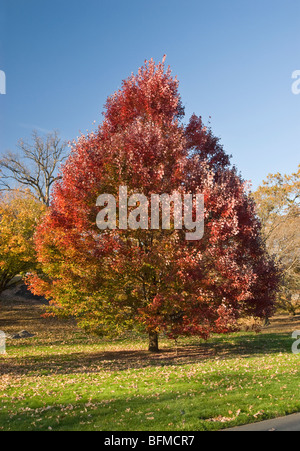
[(64, 380)]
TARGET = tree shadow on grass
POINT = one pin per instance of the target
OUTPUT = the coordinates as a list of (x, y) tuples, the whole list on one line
[(235, 345), (131, 411)]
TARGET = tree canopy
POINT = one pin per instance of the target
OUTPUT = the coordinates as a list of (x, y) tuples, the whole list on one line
[(153, 280), (278, 206), (19, 216)]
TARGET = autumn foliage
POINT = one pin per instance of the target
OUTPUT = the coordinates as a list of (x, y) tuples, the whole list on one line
[(153, 280), (19, 216), (278, 206)]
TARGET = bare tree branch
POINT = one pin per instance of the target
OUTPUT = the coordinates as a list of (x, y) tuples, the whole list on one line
[(34, 166)]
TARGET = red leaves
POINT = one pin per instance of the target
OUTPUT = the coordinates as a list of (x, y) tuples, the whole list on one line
[(123, 278), (151, 95)]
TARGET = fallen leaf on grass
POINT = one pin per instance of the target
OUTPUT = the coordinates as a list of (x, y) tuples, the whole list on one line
[(221, 419)]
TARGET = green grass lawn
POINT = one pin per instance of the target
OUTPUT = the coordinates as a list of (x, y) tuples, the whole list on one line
[(64, 380)]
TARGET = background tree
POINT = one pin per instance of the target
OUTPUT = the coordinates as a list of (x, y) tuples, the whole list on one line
[(152, 280), (19, 215), (34, 166), (278, 206)]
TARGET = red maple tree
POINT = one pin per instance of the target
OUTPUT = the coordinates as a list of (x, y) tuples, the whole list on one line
[(153, 280)]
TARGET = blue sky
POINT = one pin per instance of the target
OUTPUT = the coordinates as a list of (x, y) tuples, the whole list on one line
[(234, 60)]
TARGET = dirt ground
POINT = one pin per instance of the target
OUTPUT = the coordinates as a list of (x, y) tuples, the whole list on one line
[(24, 312)]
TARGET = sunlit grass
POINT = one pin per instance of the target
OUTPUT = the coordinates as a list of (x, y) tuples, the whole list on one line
[(71, 381)]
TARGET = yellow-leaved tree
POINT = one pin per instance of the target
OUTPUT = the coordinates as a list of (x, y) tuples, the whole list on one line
[(278, 206), (19, 216)]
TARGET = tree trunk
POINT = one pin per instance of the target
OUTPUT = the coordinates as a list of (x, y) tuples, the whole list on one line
[(153, 342)]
